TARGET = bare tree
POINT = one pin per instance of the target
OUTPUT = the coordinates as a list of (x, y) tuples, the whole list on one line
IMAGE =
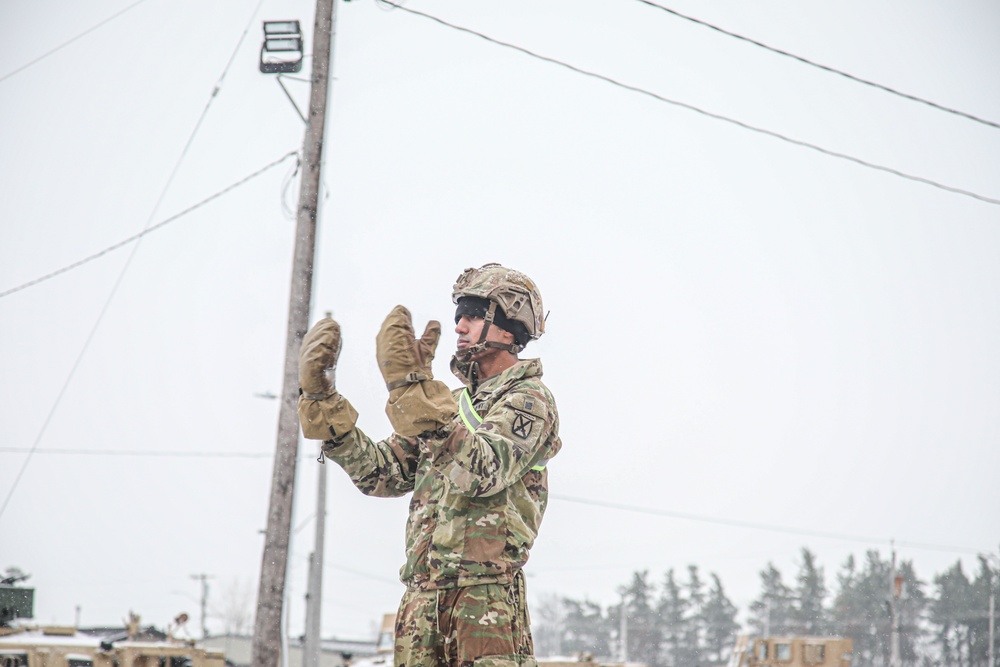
[(238, 604), (548, 632)]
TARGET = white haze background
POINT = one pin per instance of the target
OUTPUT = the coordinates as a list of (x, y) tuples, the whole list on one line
[(741, 329)]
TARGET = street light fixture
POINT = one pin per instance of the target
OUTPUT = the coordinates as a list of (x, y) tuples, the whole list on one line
[(281, 51)]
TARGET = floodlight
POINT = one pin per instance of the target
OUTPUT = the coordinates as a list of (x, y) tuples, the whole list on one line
[(282, 50), (281, 28)]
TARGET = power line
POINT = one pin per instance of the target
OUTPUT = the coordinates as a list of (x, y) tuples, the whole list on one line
[(365, 575), (144, 454), (148, 228), (827, 68), (359, 573), (137, 453), (691, 107), (844, 537), (136, 237), (70, 41), (125, 267)]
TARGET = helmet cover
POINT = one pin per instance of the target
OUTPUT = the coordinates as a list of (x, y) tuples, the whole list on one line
[(514, 293)]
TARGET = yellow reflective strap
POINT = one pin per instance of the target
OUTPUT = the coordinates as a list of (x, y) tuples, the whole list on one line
[(472, 420), (470, 417)]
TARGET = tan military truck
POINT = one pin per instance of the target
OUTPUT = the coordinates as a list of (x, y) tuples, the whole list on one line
[(791, 652), (384, 652), (40, 646)]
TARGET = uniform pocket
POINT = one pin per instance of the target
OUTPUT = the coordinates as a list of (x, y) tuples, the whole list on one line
[(506, 661), (485, 537)]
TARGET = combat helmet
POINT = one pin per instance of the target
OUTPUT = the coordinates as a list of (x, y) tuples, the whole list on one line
[(512, 296)]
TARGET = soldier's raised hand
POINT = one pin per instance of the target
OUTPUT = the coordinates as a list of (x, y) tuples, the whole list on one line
[(417, 402), (318, 359), (323, 413)]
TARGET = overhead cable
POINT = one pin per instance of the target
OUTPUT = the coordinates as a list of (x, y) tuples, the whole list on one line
[(691, 107), (844, 537), (343, 568), (827, 68), (365, 575), (140, 453), (153, 228), (121, 274), (70, 41)]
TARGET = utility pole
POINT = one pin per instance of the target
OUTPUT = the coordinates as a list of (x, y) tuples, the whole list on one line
[(993, 612), (992, 608), (266, 651), (314, 597), (203, 578), (897, 589), (623, 630)]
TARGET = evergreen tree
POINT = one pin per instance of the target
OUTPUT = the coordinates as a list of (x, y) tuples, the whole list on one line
[(771, 612), (586, 629), (691, 624), (861, 609), (548, 626), (912, 607), (952, 613), (672, 611), (644, 632), (847, 614), (694, 630), (809, 614), (719, 614), (979, 614)]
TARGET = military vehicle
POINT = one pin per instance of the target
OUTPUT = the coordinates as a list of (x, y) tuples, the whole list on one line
[(386, 638), (23, 644), (791, 652), (52, 646)]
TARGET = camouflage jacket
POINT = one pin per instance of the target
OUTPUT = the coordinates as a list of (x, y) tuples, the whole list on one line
[(478, 495)]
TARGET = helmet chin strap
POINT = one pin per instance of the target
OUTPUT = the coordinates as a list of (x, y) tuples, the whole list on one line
[(464, 357), (468, 369), (483, 344)]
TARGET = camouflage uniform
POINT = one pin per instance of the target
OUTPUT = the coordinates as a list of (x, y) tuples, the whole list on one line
[(479, 492)]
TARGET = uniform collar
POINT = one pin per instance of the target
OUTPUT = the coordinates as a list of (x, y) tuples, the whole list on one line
[(522, 368)]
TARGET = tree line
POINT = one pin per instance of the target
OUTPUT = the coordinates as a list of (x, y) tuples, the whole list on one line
[(687, 620)]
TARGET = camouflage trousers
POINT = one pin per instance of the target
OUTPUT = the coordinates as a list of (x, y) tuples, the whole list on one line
[(474, 626)]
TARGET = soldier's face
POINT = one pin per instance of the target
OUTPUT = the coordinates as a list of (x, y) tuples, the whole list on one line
[(469, 329)]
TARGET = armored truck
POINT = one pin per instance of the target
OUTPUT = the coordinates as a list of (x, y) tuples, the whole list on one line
[(791, 652)]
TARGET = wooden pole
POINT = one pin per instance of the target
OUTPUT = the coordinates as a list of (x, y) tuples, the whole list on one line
[(267, 639), (314, 598)]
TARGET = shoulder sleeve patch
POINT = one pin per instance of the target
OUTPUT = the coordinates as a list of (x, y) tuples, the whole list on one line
[(528, 403), (522, 424), (526, 416)]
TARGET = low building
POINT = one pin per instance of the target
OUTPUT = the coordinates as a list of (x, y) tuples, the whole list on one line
[(333, 652)]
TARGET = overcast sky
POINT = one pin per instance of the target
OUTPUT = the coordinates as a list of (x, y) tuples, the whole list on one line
[(742, 329)]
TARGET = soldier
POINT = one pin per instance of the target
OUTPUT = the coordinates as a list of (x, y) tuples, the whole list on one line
[(474, 460)]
